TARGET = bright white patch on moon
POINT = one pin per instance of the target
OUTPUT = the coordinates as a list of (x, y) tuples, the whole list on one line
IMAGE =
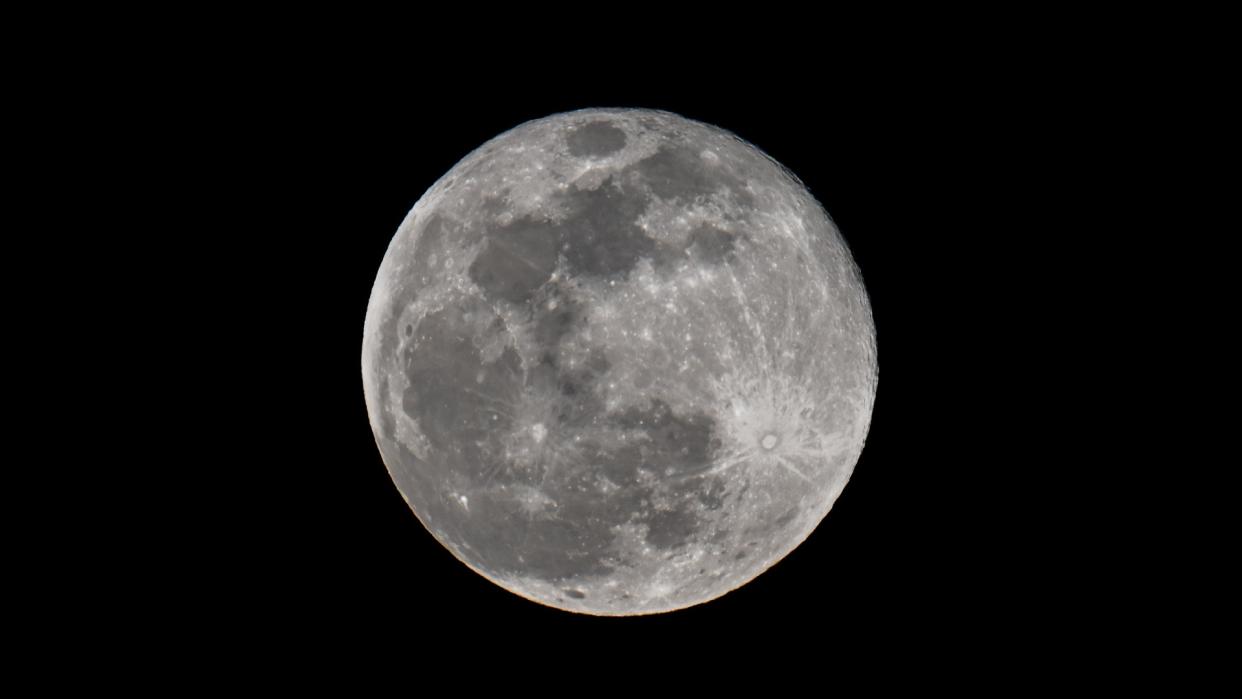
[(618, 361)]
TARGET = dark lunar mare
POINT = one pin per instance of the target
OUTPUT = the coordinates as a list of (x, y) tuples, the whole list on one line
[(459, 414), (465, 420), (595, 139), (600, 236)]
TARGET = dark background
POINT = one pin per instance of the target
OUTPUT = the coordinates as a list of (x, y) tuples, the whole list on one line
[(933, 172), (216, 192)]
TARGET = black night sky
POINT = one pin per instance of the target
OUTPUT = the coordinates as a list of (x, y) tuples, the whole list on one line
[(915, 162)]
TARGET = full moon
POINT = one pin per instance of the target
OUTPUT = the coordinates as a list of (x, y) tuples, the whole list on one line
[(618, 361)]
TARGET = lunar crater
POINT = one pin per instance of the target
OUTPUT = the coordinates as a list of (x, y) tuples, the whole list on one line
[(619, 362)]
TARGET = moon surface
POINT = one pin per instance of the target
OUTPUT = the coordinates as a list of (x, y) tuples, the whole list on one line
[(618, 361)]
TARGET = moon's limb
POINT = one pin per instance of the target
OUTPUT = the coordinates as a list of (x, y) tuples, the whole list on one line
[(619, 362)]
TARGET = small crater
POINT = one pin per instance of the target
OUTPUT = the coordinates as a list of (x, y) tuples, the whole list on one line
[(598, 361), (576, 594)]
